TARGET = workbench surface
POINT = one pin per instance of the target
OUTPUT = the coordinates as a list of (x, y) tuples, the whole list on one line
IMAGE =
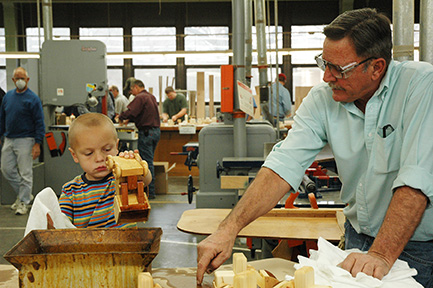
[(292, 224), (175, 277)]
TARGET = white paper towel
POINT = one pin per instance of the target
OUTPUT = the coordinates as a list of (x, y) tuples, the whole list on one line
[(326, 272), (46, 202)]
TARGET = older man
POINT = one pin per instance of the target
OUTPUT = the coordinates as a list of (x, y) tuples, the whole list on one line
[(120, 100), (22, 125), (377, 116), (143, 111)]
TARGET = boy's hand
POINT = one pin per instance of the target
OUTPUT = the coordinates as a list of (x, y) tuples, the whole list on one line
[(129, 154)]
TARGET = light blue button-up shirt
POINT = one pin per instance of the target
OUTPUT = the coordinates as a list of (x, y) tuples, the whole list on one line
[(389, 146)]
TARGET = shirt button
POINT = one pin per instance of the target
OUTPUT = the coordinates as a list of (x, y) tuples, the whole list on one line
[(360, 184), (360, 208), (369, 134)]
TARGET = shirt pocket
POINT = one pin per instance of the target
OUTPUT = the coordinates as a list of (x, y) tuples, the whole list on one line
[(387, 152)]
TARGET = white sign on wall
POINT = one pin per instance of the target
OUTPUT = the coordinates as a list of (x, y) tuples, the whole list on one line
[(245, 98)]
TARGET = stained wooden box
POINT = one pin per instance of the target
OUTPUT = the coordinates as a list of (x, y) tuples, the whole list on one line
[(106, 257)]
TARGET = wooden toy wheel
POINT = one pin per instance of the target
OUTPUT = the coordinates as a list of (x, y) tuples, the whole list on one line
[(110, 162), (117, 171)]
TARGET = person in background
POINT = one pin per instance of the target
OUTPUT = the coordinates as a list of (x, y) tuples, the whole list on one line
[(284, 102), (175, 106), (120, 100), (127, 88), (377, 116), (23, 128), (88, 199), (143, 111)]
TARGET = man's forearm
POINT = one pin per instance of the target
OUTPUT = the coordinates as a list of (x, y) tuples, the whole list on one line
[(402, 218), (181, 113), (262, 195)]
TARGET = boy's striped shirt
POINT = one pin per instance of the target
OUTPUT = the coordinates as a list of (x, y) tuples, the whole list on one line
[(90, 203)]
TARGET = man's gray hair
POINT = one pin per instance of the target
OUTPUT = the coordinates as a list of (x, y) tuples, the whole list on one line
[(369, 31)]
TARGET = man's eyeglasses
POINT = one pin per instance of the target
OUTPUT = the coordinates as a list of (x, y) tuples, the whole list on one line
[(336, 70)]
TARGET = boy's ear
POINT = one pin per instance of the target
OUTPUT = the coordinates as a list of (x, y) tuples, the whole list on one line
[(117, 146), (74, 156)]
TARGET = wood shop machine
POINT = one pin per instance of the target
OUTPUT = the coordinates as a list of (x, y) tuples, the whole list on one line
[(73, 74), (221, 163)]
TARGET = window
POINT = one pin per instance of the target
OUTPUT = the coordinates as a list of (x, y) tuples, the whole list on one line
[(255, 81), (3, 80), (308, 76), (3, 60), (2, 48), (115, 78), (34, 42), (150, 78), (206, 39), (191, 84), (270, 43), (152, 40), (111, 37), (307, 37)]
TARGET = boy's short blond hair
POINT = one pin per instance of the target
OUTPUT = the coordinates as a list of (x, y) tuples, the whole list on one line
[(88, 120)]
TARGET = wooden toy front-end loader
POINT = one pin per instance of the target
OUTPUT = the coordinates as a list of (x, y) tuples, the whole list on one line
[(131, 203)]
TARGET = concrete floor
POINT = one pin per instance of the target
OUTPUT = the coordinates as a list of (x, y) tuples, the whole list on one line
[(177, 248)]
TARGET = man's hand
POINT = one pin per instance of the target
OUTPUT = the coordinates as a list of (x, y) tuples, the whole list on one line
[(36, 150), (164, 117), (123, 122), (174, 118), (212, 252), (372, 264)]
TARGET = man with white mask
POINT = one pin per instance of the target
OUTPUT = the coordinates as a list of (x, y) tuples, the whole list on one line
[(22, 125)]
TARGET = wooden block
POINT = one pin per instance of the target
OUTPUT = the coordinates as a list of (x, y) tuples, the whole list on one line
[(124, 194), (161, 97), (116, 208), (224, 277), (145, 280), (140, 193), (200, 96), (267, 280), (234, 182), (128, 166), (211, 98), (300, 93), (192, 110), (239, 263), (132, 182), (245, 279), (304, 277)]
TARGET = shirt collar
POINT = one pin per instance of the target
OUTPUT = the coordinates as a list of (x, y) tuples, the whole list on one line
[(380, 92), (384, 84)]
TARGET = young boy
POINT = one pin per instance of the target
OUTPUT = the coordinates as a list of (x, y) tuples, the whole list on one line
[(87, 200)]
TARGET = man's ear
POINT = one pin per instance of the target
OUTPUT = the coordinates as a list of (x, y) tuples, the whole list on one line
[(74, 156), (379, 68)]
